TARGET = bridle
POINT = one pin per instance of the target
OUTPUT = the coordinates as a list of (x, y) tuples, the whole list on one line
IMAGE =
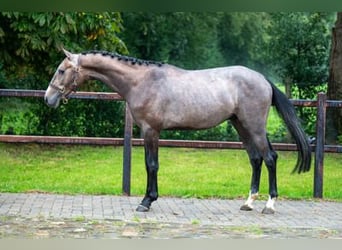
[(65, 92)]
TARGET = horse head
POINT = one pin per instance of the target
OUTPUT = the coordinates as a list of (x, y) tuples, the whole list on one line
[(64, 81)]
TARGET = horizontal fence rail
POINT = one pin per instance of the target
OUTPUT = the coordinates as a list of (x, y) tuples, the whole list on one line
[(319, 147), (77, 95), (104, 141), (135, 142)]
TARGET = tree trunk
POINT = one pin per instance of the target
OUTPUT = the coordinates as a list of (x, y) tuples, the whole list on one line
[(334, 121)]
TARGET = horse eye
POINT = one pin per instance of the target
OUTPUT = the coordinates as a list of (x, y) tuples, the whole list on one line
[(60, 71)]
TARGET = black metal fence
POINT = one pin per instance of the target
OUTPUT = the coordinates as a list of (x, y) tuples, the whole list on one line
[(128, 141)]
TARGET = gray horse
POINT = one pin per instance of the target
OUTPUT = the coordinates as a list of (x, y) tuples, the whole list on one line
[(162, 96)]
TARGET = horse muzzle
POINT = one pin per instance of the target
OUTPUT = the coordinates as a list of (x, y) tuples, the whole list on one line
[(52, 100)]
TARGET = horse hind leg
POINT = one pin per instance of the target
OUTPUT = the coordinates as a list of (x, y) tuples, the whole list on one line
[(259, 149), (255, 159), (256, 163), (270, 158), (271, 164)]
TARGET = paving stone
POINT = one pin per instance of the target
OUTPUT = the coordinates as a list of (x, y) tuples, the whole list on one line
[(318, 215)]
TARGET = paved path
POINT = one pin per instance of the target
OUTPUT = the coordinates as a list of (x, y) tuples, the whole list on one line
[(299, 216)]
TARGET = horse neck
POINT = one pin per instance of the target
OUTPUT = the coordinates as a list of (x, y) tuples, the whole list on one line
[(118, 75)]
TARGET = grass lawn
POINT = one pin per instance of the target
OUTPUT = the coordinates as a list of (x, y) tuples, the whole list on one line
[(183, 172)]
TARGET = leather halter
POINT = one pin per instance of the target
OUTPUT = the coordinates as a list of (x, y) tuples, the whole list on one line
[(63, 90)]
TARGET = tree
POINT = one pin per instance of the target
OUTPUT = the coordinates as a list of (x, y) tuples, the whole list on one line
[(300, 53), (185, 39), (30, 46), (299, 46), (243, 39), (334, 127), (29, 42)]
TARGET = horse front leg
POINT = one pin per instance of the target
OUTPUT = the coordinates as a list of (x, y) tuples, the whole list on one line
[(151, 138)]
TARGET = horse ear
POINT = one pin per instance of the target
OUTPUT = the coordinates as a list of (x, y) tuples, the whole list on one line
[(73, 58), (67, 54)]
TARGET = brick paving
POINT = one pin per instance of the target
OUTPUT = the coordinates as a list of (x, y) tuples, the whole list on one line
[(294, 215), (205, 211)]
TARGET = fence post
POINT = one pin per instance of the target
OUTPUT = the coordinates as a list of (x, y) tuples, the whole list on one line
[(127, 152), (320, 141)]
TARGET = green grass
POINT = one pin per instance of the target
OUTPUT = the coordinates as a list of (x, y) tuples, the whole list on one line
[(183, 172)]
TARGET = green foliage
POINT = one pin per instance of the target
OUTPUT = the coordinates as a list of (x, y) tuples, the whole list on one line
[(290, 47), (82, 118), (185, 39), (18, 121), (30, 46), (339, 139), (308, 115), (16, 115), (242, 39), (31, 41), (300, 44)]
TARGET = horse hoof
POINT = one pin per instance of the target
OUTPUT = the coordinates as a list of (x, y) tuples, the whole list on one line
[(246, 208), (142, 208), (268, 210)]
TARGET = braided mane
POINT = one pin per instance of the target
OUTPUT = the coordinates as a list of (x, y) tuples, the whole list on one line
[(128, 59)]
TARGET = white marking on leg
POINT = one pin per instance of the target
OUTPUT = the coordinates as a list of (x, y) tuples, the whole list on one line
[(270, 203), (251, 198)]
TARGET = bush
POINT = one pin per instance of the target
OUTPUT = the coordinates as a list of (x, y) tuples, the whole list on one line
[(31, 116), (18, 121), (308, 115)]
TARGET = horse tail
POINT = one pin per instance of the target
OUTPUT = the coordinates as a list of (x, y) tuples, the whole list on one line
[(287, 112)]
